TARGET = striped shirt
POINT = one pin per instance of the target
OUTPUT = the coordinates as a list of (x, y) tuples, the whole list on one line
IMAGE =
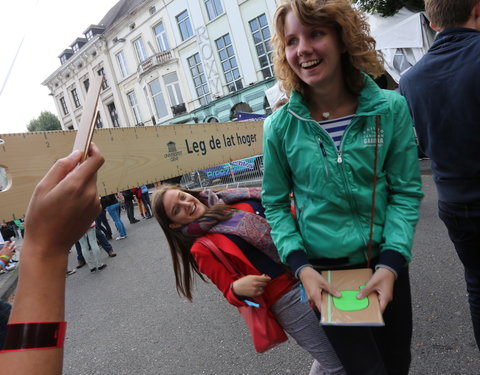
[(336, 128)]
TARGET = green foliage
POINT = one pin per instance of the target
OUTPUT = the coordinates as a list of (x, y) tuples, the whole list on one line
[(388, 8), (46, 121)]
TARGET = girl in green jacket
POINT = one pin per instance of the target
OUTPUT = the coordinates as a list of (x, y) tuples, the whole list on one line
[(338, 132)]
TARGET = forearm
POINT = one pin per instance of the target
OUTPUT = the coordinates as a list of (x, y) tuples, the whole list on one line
[(41, 287), (40, 297)]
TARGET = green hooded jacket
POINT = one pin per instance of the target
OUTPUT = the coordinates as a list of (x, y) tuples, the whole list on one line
[(333, 188)]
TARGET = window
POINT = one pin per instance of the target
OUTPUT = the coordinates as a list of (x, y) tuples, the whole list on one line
[(113, 115), (101, 72), (199, 80), (89, 34), (161, 37), (98, 122), (86, 84), (64, 106), (76, 101), (229, 63), (184, 25), (132, 98), (140, 50), (214, 8), (122, 64), (158, 99), (261, 38), (75, 48), (173, 88), (63, 59)]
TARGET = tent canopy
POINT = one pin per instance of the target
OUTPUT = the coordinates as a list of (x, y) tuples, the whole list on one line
[(402, 39)]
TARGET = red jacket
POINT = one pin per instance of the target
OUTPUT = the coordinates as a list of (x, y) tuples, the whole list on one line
[(219, 275), (137, 192)]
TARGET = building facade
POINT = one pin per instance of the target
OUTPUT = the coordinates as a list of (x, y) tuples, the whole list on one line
[(169, 62)]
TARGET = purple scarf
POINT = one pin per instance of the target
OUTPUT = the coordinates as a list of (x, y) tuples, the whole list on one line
[(252, 228)]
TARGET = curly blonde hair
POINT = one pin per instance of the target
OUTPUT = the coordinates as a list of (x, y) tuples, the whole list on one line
[(352, 28)]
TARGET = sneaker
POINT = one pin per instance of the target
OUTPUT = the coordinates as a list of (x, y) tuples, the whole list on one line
[(112, 253), (10, 266), (71, 272), (102, 267), (93, 269), (81, 264), (120, 238)]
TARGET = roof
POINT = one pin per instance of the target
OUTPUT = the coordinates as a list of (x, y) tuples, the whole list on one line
[(79, 40), (119, 10)]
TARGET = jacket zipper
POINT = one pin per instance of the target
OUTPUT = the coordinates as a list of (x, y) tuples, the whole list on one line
[(324, 153), (353, 205), (340, 165)]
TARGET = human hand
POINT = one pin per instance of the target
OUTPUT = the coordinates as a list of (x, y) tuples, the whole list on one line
[(251, 285), (8, 249), (64, 203), (314, 284), (381, 282)]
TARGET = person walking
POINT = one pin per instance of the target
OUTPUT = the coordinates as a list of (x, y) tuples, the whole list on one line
[(112, 207), (146, 201), (128, 195), (102, 221), (90, 250), (443, 93)]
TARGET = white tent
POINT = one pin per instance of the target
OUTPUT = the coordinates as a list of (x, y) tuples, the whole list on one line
[(402, 39)]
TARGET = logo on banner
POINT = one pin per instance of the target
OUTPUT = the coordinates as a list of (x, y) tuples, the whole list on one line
[(172, 153)]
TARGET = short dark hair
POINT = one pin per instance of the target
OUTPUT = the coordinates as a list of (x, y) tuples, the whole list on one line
[(445, 14)]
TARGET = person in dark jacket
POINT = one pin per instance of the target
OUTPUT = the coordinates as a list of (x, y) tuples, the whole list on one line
[(102, 220), (128, 195), (443, 92)]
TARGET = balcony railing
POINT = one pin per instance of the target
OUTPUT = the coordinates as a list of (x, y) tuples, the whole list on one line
[(155, 60)]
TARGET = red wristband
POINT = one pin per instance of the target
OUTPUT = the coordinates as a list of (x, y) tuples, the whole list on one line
[(34, 335)]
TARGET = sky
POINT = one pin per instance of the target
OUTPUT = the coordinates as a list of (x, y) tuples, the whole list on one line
[(47, 27)]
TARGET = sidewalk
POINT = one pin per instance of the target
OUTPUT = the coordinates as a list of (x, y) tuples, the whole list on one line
[(8, 279), (425, 167), (8, 283)]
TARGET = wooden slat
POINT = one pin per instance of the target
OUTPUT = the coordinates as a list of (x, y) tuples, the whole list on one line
[(134, 155)]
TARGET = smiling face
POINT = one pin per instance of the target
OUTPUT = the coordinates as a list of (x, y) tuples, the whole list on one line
[(182, 208), (313, 53)]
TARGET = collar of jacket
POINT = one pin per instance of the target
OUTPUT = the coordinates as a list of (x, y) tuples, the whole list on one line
[(371, 102), (453, 35)]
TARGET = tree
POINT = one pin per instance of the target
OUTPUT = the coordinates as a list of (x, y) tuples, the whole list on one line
[(46, 121), (388, 8)]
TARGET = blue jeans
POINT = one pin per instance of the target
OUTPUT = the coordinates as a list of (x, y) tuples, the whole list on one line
[(463, 224), (102, 240), (147, 203), (114, 213), (103, 225)]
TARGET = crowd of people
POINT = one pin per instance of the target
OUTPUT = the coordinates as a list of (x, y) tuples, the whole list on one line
[(342, 149)]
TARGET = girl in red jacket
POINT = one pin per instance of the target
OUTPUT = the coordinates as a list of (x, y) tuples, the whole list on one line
[(234, 220)]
